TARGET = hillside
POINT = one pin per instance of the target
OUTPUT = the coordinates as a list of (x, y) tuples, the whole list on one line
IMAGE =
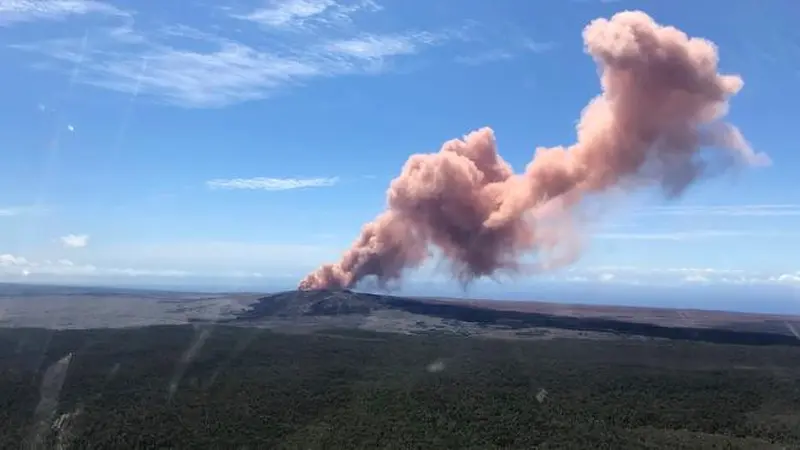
[(297, 305)]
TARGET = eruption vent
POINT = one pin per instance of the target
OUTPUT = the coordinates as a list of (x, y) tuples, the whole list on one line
[(662, 101)]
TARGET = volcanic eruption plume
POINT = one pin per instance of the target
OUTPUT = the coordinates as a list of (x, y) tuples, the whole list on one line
[(662, 101)]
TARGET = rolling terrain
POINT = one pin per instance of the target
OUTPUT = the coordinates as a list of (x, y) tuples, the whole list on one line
[(58, 307), (218, 386), (105, 368), (510, 319)]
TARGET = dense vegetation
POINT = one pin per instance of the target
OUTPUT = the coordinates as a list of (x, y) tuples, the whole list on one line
[(249, 388)]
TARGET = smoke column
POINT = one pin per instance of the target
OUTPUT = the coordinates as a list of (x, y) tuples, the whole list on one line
[(662, 101)]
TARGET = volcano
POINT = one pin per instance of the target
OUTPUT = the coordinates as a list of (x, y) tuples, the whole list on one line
[(484, 316)]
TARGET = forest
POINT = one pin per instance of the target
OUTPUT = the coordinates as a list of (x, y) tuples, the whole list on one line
[(221, 386)]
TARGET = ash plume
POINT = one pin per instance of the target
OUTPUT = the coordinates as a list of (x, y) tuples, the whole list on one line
[(662, 101)]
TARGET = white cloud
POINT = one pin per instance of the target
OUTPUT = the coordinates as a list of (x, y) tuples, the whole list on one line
[(661, 270), (191, 260), (228, 73), (691, 235), (374, 46), (576, 279), (16, 11), (208, 260), (288, 12), (539, 47), (232, 73), (304, 14), (75, 240), (695, 279), (14, 211), (7, 260), (485, 57), (779, 210), (209, 69), (760, 279), (20, 266), (507, 52), (605, 277), (678, 275), (788, 278), (271, 184)]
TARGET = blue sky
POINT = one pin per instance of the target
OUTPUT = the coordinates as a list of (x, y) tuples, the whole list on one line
[(247, 141)]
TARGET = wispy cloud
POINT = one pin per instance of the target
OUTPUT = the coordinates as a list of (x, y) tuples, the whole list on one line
[(305, 14), (508, 52), (640, 270), (19, 268), (789, 278), (232, 73), (539, 46), (16, 11), (196, 259), (7, 260), (785, 279), (75, 240), (485, 58), (23, 267), (680, 275), (373, 46), (271, 184), (764, 210), (607, 277), (13, 211), (696, 279), (695, 234), (210, 69)]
